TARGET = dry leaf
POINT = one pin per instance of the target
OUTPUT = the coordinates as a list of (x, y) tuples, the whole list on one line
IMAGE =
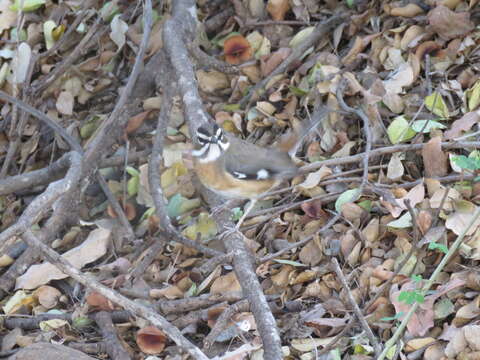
[(434, 159), (278, 8), (151, 340), (450, 24), (465, 123), (225, 283), (93, 248), (237, 50)]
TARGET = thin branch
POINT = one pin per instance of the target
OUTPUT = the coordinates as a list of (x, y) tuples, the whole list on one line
[(356, 309), (135, 308)]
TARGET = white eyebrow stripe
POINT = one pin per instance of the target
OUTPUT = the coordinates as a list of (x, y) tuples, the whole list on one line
[(203, 136), (262, 174)]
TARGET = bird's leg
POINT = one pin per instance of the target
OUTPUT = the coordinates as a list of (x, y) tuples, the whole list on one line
[(247, 211)]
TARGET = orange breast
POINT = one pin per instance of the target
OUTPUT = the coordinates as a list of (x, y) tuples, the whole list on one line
[(226, 185)]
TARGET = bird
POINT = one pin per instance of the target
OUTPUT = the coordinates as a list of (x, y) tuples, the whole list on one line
[(237, 169)]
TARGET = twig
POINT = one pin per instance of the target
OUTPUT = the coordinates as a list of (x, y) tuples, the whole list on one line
[(180, 29), (324, 228), (140, 310), (110, 337), (74, 145), (57, 170), (384, 151), (453, 248), (356, 309), (222, 321)]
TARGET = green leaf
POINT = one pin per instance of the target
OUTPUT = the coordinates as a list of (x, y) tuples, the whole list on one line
[(177, 205), (132, 171), (109, 10), (408, 297), (429, 125), (231, 107), (436, 105), (417, 278), (467, 163), (442, 247), (473, 96), (192, 291), (366, 204), (402, 222), (391, 318), (132, 185), (297, 91), (289, 262), (237, 214), (399, 130), (28, 5), (350, 3), (348, 196)]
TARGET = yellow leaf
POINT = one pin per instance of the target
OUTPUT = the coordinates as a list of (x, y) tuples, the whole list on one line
[(436, 105)]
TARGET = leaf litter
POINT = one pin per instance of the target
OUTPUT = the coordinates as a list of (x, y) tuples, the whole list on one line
[(414, 71)]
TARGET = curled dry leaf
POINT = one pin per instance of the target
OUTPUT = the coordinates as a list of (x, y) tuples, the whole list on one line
[(151, 340), (449, 24), (237, 50), (99, 301)]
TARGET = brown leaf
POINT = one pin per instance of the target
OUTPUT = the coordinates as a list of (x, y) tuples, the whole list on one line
[(278, 8), (225, 283), (270, 63), (465, 123), (151, 340), (135, 122), (434, 159), (424, 221), (313, 209), (47, 296), (237, 50), (448, 24), (99, 301)]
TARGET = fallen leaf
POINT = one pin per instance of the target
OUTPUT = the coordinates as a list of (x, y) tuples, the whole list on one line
[(399, 130), (94, 247), (237, 50), (278, 8), (225, 283), (65, 103), (449, 24), (119, 28), (8, 18), (151, 340), (434, 159)]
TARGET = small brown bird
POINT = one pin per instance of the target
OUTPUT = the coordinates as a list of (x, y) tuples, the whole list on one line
[(237, 169)]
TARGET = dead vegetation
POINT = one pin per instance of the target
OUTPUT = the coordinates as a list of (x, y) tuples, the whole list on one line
[(371, 252)]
